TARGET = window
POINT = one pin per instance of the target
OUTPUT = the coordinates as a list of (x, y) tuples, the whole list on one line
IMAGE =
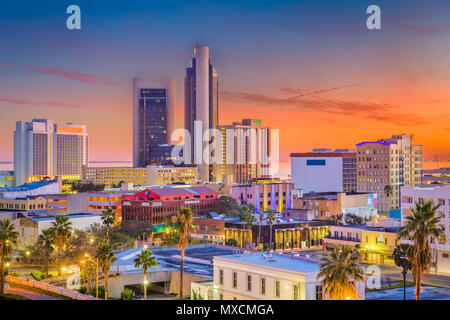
[(220, 276), (318, 292), (296, 292), (277, 289), (445, 255), (234, 280), (263, 285), (249, 283)]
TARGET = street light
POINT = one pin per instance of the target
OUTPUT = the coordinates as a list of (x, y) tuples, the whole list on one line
[(404, 272), (145, 289)]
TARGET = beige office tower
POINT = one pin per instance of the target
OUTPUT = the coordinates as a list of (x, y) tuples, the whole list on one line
[(45, 149), (383, 166), (244, 151), (201, 104)]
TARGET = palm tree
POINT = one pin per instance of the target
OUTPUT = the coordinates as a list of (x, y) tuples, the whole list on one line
[(184, 222), (271, 221), (108, 218), (388, 191), (106, 257), (8, 237), (246, 217), (61, 231), (341, 274), (146, 261), (261, 217), (421, 227), (45, 245)]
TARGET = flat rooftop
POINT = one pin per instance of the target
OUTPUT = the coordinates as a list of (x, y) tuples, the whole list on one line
[(198, 259), (276, 261)]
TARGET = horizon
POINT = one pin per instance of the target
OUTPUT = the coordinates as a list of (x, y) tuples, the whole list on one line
[(330, 83)]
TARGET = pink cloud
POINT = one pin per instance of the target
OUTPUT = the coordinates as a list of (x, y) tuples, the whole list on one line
[(53, 104)]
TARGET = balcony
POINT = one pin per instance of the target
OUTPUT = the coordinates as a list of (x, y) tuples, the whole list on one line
[(351, 239)]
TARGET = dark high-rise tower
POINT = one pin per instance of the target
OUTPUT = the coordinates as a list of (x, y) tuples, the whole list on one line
[(201, 100), (153, 119)]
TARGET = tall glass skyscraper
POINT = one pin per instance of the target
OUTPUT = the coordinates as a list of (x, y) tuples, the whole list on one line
[(201, 100), (153, 118)]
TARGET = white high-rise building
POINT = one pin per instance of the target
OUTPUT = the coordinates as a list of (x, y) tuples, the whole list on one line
[(201, 104), (45, 149)]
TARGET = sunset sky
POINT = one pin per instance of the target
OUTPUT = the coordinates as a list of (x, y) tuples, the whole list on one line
[(309, 68)]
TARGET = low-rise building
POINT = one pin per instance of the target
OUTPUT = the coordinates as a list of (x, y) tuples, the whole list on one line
[(256, 276), (148, 176), (24, 204), (435, 177), (376, 244), (325, 205), (6, 178), (286, 234), (209, 228), (440, 196), (155, 204), (275, 196), (37, 188)]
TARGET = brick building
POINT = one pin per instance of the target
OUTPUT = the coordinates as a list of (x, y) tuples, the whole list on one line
[(155, 204)]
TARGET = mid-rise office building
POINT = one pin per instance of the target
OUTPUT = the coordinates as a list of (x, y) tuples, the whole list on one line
[(387, 164), (153, 119), (324, 170), (43, 148), (440, 196), (201, 104), (148, 176), (243, 151)]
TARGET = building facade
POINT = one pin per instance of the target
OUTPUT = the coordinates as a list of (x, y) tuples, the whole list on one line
[(440, 196), (325, 205), (435, 177), (201, 103), (148, 176), (324, 170), (376, 244), (387, 164), (43, 148), (275, 196), (6, 178), (243, 151), (257, 276), (153, 118), (36, 188), (155, 204)]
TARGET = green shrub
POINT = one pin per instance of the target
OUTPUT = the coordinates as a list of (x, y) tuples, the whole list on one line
[(101, 292), (126, 294), (82, 290)]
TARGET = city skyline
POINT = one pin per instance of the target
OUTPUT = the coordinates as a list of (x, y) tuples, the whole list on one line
[(331, 82)]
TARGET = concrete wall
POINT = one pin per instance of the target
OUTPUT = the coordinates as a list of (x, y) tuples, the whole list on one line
[(187, 279), (318, 178)]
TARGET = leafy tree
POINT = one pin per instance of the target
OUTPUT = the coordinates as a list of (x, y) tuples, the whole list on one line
[(341, 274), (184, 222), (61, 231), (86, 187), (8, 238), (106, 257), (227, 206), (335, 220), (351, 218), (145, 260), (271, 221), (108, 219), (246, 217), (388, 190), (402, 254), (421, 227), (45, 247), (231, 243)]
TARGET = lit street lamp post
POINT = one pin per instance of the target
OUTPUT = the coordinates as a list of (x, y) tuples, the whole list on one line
[(404, 272), (145, 289)]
